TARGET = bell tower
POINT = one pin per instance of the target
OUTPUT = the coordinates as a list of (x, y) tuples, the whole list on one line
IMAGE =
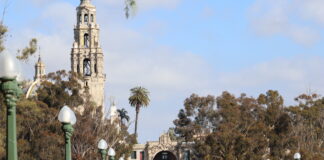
[(39, 70), (86, 55)]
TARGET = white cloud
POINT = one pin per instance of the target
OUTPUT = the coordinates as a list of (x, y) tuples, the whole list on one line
[(207, 12), (61, 16), (134, 59), (311, 9), (55, 50), (145, 4), (281, 17), (304, 35), (41, 2), (269, 17), (54, 31), (291, 76)]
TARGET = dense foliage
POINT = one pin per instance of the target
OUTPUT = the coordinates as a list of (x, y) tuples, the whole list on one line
[(247, 128), (39, 132)]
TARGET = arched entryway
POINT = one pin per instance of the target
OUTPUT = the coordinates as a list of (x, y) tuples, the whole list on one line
[(165, 155)]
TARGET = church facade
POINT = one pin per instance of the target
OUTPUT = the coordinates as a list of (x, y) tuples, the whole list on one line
[(164, 149), (87, 57)]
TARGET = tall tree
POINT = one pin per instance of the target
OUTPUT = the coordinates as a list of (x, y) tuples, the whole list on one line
[(226, 127), (139, 98), (123, 115), (90, 128), (307, 119), (278, 123), (247, 128)]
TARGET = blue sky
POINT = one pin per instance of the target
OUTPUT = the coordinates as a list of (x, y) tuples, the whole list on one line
[(175, 48)]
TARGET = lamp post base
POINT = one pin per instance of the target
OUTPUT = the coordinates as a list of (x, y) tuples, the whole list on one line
[(12, 92), (68, 131), (103, 153)]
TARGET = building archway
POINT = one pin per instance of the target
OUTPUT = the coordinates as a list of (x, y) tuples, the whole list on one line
[(165, 155)]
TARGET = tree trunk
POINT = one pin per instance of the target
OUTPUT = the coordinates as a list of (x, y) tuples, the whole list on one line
[(121, 122), (137, 112)]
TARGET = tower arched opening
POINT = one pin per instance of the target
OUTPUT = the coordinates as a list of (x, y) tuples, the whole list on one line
[(91, 18), (86, 40), (96, 68), (86, 18), (87, 67), (79, 18), (165, 155)]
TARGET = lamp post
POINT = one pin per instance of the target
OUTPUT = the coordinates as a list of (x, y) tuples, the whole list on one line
[(111, 154), (12, 92), (102, 146), (121, 158), (297, 156), (67, 118)]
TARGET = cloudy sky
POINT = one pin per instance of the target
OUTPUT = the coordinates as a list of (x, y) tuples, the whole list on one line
[(178, 47)]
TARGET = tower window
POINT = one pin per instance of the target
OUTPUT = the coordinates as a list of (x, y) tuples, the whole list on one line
[(87, 67), (91, 17), (86, 40), (86, 18), (78, 69), (96, 69), (80, 18)]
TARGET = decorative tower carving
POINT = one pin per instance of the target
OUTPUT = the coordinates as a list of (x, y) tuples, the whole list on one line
[(113, 114), (39, 77), (86, 55), (39, 70)]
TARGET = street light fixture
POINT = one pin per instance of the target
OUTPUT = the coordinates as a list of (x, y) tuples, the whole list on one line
[(9, 87), (297, 156), (9, 66), (121, 158), (111, 154), (67, 118), (102, 146)]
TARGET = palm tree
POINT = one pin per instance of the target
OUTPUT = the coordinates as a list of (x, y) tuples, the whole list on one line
[(139, 98), (122, 114)]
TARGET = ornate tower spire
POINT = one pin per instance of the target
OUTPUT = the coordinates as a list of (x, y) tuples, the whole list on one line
[(86, 55), (113, 114), (85, 2), (39, 68)]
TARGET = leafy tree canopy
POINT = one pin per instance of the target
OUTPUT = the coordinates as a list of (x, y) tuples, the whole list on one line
[(247, 128)]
